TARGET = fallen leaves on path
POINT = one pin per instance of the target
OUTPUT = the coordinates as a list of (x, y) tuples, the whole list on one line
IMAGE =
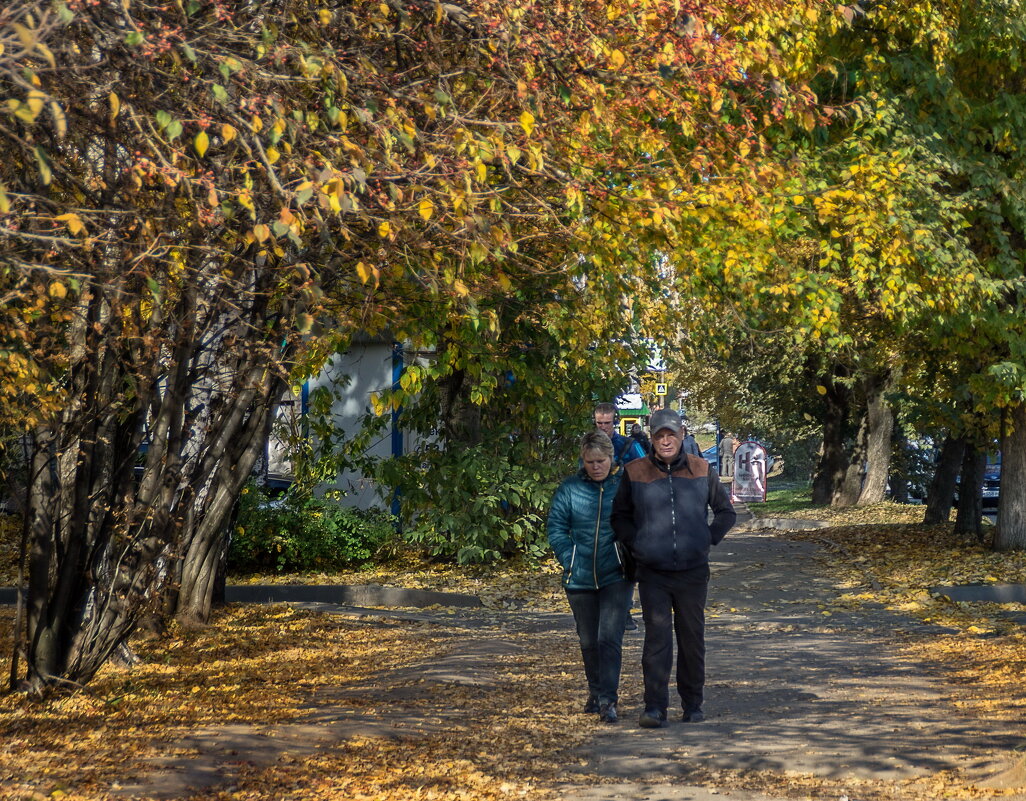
[(513, 735), (269, 667)]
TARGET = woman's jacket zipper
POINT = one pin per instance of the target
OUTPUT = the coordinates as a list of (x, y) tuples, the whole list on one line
[(595, 545)]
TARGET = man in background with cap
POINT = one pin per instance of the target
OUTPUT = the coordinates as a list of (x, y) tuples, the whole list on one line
[(661, 514)]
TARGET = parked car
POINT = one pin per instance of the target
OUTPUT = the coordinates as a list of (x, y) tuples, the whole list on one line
[(991, 482), (711, 455)]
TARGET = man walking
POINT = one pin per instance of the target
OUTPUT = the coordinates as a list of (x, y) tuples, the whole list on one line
[(625, 449), (688, 443), (660, 512)]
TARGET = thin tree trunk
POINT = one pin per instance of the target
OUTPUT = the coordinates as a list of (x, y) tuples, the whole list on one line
[(969, 518), (942, 486), (830, 471), (1011, 519), (851, 486), (898, 472)]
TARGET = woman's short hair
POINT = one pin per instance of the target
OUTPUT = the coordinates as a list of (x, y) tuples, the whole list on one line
[(597, 441)]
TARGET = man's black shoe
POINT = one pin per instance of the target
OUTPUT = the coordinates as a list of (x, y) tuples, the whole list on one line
[(607, 713), (631, 624), (652, 719), (592, 706), (694, 715)]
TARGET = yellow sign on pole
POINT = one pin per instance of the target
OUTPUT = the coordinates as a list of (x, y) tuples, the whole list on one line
[(660, 389)]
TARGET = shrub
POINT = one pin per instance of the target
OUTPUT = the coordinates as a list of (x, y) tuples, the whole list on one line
[(473, 505), (295, 534)]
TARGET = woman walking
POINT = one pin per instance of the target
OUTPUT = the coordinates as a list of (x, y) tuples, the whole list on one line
[(593, 575)]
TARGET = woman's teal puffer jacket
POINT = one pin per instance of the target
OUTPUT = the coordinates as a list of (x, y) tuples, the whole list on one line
[(580, 533)]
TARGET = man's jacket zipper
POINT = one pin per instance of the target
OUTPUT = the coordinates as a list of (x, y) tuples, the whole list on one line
[(673, 512)]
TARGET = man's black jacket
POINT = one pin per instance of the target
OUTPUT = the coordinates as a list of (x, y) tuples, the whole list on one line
[(660, 512)]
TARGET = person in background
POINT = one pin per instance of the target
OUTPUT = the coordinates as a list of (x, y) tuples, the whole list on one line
[(605, 417), (661, 514), (726, 450), (688, 444), (581, 536), (638, 435)]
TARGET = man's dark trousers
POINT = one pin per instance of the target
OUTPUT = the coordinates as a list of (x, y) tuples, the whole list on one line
[(673, 603)]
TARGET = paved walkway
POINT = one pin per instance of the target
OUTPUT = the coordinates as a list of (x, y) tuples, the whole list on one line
[(789, 690)]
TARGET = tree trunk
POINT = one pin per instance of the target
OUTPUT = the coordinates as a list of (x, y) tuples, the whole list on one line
[(880, 429), (942, 486), (830, 471), (897, 473), (1011, 520), (851, 486), (205, 539), (204, 371), (969, 518)]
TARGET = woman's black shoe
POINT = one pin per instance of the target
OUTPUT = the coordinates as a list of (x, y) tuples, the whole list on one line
[(607, 713)]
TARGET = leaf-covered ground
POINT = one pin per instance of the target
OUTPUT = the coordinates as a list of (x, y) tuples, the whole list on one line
[(269, 666)]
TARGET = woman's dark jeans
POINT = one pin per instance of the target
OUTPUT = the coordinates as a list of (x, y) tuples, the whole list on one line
[(601, 615)]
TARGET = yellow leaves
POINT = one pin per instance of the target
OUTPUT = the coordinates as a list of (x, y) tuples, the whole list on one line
[(617, 59), (460, 288), (261, 232), (29, 109), (35, 102), (324, 16), (60, 121), (821, 389), (26, 36), (72, 221), (227, 133), (367, 273), (246, 201), (57, 290), (115, 107), (426, 209), (5, 202), (481, 171), (201, 143), (384, 229), (272, 155), (527, 122)]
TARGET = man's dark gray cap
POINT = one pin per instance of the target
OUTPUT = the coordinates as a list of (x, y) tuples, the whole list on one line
[(665, 418)]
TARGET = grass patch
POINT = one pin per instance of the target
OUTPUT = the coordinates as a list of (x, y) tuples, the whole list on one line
[(782, 502)]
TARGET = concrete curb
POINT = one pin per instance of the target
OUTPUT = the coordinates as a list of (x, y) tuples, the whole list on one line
[(335, 594)]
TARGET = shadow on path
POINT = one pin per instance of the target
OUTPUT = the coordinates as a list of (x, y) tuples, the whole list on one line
[(790, 689)]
